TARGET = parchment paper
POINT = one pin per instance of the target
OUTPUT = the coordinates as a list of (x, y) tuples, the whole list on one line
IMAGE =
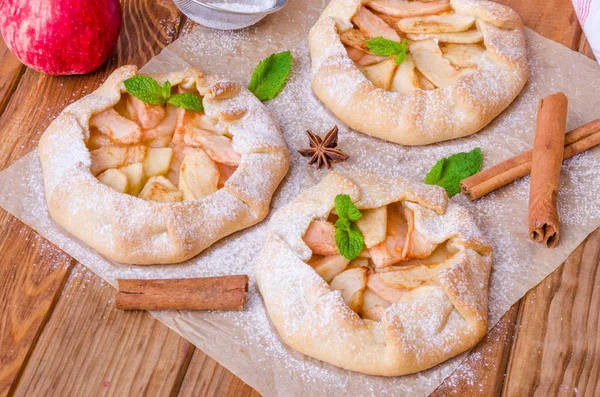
[(244, 342)]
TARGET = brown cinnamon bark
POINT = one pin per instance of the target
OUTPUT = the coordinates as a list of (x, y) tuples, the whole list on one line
[(211, 293), (546, 161), (576, 141)]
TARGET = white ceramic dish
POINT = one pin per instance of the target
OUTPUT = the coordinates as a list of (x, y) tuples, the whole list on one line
[(228, 14)]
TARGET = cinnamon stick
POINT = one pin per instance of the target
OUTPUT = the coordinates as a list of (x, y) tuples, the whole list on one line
[(576, 141), (546, 161), (210, 293)]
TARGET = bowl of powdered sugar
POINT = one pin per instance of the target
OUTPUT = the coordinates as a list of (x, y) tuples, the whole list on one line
[(228, 14)]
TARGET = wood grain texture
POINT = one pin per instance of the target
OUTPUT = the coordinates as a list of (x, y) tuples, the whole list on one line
[(585, 48), (10, 74), (205, 377), (482, 372), (33, 103), (89, 348), (557, 348), (32, 273), (140, 342), (555, 19)]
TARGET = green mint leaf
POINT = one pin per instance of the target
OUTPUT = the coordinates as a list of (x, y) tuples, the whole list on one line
[(342, 203), (270, 75), (448, 172), (345, 208), (435, 174), (146, 89), (187, 101), (349, 242), (354, 213), (384, 47), (166, 90), (343, 223), (400, 57)]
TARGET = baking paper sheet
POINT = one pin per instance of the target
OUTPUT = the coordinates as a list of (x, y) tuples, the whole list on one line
[(245, 342)]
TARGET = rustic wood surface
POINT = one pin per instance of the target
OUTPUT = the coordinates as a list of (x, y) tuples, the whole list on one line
[(60, 334)]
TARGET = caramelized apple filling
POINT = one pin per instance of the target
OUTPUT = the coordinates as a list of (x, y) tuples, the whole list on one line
[(395, 260), (159, 152), (442, 45)]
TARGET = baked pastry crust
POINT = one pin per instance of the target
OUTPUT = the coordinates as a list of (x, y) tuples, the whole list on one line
[(426, 326), (426, 116), (130, 230)]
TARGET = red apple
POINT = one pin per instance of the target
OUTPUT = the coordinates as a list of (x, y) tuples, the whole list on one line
[(61, 36)]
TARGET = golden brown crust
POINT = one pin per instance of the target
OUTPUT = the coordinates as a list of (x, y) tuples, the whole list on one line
[(425, 327), (427, 116), (131, 230)]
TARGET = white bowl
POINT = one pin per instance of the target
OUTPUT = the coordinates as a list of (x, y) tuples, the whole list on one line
[(217, 14)]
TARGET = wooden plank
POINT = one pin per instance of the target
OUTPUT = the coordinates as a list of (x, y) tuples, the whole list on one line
[(32, 271), (89, 348), (10, 73), (482, 372), (585, 48), (205, 377), (555, 20), (557, 347), (32, 105)]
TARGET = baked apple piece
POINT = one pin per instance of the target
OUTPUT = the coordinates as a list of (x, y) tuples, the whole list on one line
[(396, 258), (162, 153), (426, 304), (154, 169), (462, 49)]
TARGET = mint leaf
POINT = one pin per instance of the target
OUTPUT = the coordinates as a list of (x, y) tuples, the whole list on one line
[(448, 172), (348, 238), (342, 203), (146, 89), (384, 47), (400, 57), (435, 174), (166, 90), (349, 242), (343, 223), (186, 101), (270, 75)]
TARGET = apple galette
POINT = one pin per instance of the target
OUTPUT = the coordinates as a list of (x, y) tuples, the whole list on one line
[(417, 72), (146, 182), (376, 275)]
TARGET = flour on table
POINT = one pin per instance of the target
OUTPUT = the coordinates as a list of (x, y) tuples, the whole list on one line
[(245, 342)]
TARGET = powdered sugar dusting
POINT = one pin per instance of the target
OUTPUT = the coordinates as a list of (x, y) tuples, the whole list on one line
[(245, 342)]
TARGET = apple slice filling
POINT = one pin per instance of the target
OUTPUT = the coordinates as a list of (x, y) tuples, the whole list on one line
[(443, 46), (160, 153), (396, 259)]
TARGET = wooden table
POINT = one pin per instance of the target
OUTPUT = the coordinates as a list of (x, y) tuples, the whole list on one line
[(60, 334)]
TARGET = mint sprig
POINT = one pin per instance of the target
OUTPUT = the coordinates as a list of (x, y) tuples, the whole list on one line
[(270, 75), (187, 101), (147, 90), (348, 238), (448, 172), (384, 47)]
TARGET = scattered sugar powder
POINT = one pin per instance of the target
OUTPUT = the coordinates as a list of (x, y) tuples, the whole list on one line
[(249, 6), (245, 342)]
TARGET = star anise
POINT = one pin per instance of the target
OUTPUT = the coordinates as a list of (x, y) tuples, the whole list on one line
[(323, 151)]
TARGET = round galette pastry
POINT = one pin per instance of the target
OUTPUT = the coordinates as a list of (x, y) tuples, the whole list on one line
[(413, 293), (158, 180), (417, 72)]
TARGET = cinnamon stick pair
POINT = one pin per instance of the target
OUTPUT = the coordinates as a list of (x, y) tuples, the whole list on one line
[(576, 141), (551, 147), (211, 293), (546, 161)]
